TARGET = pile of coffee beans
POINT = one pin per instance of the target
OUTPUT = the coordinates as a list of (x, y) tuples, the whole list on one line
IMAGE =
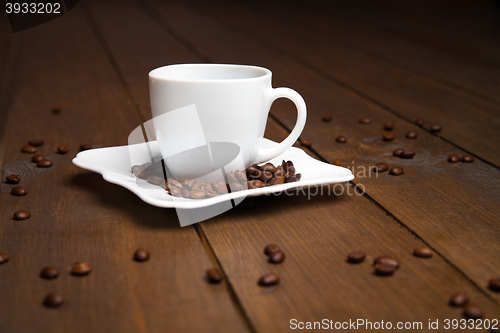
[(253, 177)]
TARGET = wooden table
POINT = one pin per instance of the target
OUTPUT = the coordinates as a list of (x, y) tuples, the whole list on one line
[(390, 61)]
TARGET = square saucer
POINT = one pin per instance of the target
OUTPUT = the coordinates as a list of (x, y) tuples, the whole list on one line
[(114, 165)]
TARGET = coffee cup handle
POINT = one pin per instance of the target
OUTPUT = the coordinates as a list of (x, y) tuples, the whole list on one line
[(272, 94)]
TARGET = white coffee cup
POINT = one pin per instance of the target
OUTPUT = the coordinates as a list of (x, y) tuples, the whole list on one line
[(231, 104)]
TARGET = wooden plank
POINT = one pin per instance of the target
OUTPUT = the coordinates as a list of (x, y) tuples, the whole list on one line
[(77, 216), (436, 200), (466, 120), (317, 233)]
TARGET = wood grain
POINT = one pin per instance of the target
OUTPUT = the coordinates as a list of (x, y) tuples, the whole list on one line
[(77, 216), (432, 198)]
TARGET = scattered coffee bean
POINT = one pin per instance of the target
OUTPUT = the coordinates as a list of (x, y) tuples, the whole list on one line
[(467, 158), (453, 158), (141, 255), (44, 163), (28, 149), (85, 146), (422, 252), (459, 299), (276, 257), (53, 300), (62, 150), (356, 257), (388, 126), (436, 128), (407, 154), (36, 142), (22, 215), (365, 121), (13, 179), (81, 268), (270, 248), (37, 158), (326, 119), (388, 261), (397, 171), (419, 122), (337, 163), (4, 257), (494, 284), (269, 279), (341, 139), (388, 137), (397, 152), (18, 191), (214, 275), (384, 270), (473, 311), (411, 135), (49, 273), (306, 142), (56, 109), (380, 167)]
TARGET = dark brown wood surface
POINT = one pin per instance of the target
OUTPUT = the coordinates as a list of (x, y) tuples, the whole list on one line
[(99, 75)]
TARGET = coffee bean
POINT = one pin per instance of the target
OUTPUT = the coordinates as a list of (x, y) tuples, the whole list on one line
[(280, 172), (411, 135), (220, 186), (494, 284), (269, 279), (459, 299), (186, 193), (306, 142), (236, 187), (85, 146), (62, 150), (397, 152), (397, 171), (276, 257), (174, 183), (37, 157), (270, 248), (341, 139), (49, 273), (356, 257), (407, 154), (337, 163), (436, 128), (4, 257), (467, 158), (380, 167), (141, 255), (22, 215), (18, 191), (276, 181), (81, 268), (56, 109), (388, 137), (419, 122), (36, 142), (251, 171), (290, 171), (473, 311), (326, 119), (53, 300), (210, 193), (240, 176), (423, 252), (268, 167), (385, 260), (214, 275), (155, 180), (384, 270), (175, 191), (388, 126), (365, 121), (28, 149), (265, 176), (453, 158), (199, 194), (13, 179), (294, 178), (44, 163), (231, 178), (251, 184)]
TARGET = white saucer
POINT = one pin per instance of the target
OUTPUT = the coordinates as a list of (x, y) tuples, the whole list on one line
[(114, 165)]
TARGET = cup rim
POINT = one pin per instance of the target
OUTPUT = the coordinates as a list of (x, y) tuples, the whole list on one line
[(155, 73)]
